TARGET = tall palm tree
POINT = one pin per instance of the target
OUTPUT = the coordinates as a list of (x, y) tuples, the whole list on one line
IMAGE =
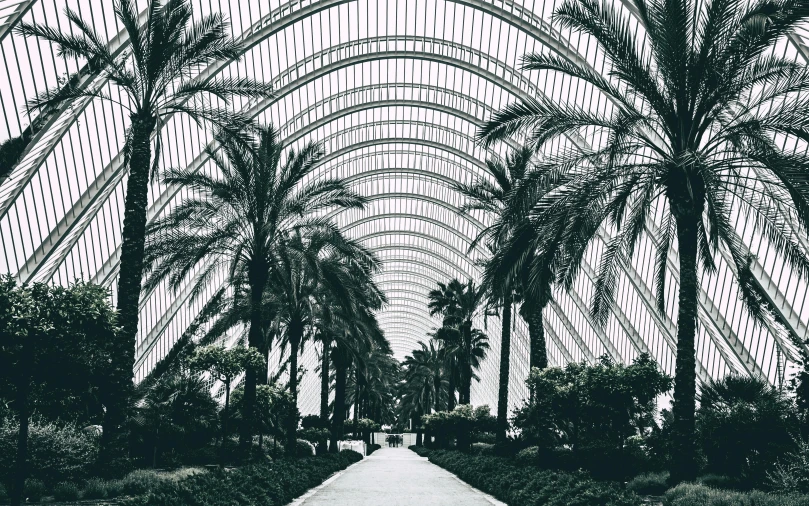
[(493, 198), (691, 135), (157, 81), (238, 223)]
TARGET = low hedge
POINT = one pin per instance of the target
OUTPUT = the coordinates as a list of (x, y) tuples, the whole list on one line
[(267, 484), (691, 494), (371, 448), (420, 450), (527, 485)]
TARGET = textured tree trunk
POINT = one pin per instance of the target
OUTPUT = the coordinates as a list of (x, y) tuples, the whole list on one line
[(21, 470), (684, 460), (451, 387), (121, 372), (536, 331), (505, 358), (324, 391), (257, 277), (339, 412), (466, 366), (356, 401), (225, 416), (295, 334), (417, 425)]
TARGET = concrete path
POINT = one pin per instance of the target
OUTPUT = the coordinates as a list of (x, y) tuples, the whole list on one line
[(395, 477)]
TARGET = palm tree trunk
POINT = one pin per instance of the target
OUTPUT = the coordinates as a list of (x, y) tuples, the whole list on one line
[(225, 416), (451, 387), (121, 371), (536, 332), (356, 400), (295, 334), (437, 388), (684, 461), (505, 356), (324, 390), (339, 413), (21, 470), (466, 371), (257, 277)]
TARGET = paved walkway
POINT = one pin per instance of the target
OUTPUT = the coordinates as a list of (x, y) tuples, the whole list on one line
[(395, 477)]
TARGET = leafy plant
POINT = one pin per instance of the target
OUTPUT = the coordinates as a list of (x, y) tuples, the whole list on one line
[(66, 491), (791, 473), (690, 494), (744, 425), (56, 452), (649, 483), (527, 485), (34, 489)]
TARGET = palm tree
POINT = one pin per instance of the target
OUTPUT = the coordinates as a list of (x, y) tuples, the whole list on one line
[(691, 136), (459, 304), (353, 342), (318, 269), (238, 223), (157, 82), (493, 197), (424, 378)]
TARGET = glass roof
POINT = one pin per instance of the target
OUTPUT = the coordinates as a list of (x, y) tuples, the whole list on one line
[(395, 90)]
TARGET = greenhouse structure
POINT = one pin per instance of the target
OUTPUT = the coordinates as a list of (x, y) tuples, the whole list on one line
[(565, 240)]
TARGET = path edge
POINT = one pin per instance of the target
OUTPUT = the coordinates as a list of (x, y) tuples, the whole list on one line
[(298, 501)]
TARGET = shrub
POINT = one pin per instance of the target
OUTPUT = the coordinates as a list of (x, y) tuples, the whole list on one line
[(649, 484), (743, 426), (719, 481), (4, 497), (140, 482), (55, 453), (34, 489), (791, 473), (371, 448), (690, 494), (529, 486), (66, 491), (276, 482), (95, 488), (304, 448), (482, 448), (420, 450), (528, 455)]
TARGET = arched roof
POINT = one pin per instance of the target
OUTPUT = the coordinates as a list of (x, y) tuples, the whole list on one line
[(395, 90)]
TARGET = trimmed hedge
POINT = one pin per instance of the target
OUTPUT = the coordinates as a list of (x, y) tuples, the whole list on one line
[(371, 448), (529, 486), (690, 494), (267, 484)]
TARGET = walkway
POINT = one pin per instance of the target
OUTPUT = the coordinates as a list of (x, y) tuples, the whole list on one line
[(396, 477)]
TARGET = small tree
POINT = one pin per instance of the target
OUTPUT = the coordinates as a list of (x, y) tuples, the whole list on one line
[(59, 339), (224, 365), (592, 409)]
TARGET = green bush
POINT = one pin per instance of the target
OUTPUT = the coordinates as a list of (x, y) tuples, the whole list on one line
[(528, 455), (371, 448), (140, 482), (271, 483), (66, 491), (304, 448), (55, 453), (791, 473), (649, 483), (95, 488), (4, 497), (482, 448), (528, 485), (34, 489), (719, 481), (420, 450), (690, 494)]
